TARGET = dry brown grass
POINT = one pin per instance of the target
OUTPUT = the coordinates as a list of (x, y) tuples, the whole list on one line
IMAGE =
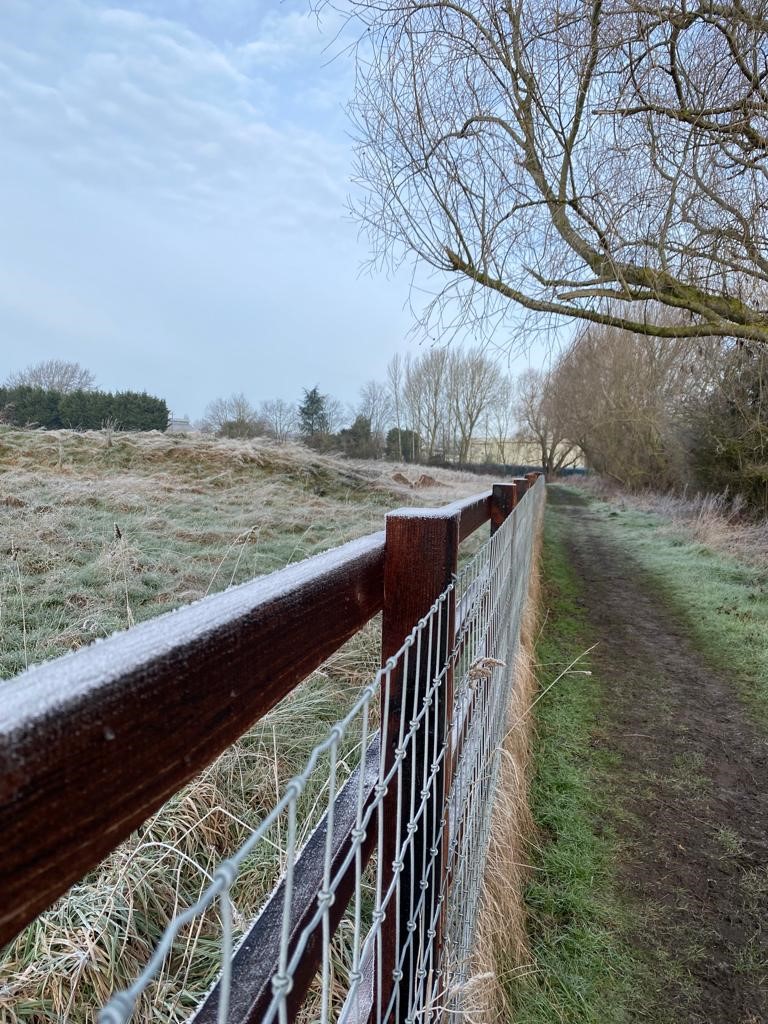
[(718, 521), (195, 515), (502, 950)]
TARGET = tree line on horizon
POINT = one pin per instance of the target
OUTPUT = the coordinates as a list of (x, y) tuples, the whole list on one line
[(444, 405), (58, 393), (647, 412)]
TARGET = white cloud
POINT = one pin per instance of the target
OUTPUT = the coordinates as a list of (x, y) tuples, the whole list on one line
[(172, 198), (282, 37), (141, 103)]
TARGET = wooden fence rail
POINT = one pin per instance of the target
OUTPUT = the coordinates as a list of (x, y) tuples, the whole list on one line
[(93, 743)]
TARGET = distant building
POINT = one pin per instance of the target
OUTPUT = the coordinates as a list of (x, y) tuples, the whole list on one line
[(179, 425), (512, 451)]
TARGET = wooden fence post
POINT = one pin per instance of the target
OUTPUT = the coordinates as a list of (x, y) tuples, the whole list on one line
[(520, 484), (420, 561), (503, 501), (532, 477)]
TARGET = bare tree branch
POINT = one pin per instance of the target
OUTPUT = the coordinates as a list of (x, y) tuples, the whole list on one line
[(527, 150)]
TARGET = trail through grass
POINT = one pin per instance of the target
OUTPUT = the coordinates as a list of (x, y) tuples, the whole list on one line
[(721, 600), (650, 776), (584, 970)]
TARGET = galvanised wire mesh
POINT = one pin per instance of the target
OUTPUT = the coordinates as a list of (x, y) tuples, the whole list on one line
[(492, 591), (390, 879)]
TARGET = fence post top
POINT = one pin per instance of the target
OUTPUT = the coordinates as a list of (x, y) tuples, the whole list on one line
[(441, 512)]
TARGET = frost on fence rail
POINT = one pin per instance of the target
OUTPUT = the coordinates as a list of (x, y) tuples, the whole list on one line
[(393, 941)]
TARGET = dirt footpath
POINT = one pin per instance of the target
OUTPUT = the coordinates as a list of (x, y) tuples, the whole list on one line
[(690, 791)]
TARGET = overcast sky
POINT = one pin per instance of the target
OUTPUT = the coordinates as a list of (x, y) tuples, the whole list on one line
[(173, 193)]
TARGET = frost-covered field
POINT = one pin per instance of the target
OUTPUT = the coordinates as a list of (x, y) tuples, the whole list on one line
[(99, 532)]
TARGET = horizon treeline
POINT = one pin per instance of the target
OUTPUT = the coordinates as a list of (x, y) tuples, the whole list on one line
[(24, 405)]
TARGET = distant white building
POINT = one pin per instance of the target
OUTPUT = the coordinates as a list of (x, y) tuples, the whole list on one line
[(513, 451), (179, 425)]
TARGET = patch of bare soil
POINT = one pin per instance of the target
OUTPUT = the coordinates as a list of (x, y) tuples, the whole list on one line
[(690, 789)]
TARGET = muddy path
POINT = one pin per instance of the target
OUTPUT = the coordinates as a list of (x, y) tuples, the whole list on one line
[(689, 790)]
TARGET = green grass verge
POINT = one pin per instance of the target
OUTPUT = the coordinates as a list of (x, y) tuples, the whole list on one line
[(584, 969), (722, 603)]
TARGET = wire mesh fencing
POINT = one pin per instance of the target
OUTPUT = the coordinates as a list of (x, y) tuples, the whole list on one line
[(375, 911)]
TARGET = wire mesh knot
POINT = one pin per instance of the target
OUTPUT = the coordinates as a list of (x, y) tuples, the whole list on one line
[(358, 833), (397, 975), (398, 865), (378, 916), (336, 733), (400, 752), (294, 789), (380, 789), (282, 984), (411, 927), (414, 724), (326, 898), (411, 827), (423, 885), (225, 873)]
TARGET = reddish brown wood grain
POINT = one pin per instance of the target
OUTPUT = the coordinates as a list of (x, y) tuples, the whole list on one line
[(473, 512), (421, 558), (503, 501), (94, 743)]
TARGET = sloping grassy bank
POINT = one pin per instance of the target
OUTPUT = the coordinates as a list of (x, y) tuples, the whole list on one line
[(98, 532)]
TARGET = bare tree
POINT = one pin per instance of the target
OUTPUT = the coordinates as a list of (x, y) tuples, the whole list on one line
[(232, 417), (601, 161), (337, 415), (395, 384), (375, 405), (474, 383), (54, 375), (280, 418), (426, 396), (622, 399), (499, 420), (543, 420)]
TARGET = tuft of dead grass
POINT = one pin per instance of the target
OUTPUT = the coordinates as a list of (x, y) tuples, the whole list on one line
[(718, 521)]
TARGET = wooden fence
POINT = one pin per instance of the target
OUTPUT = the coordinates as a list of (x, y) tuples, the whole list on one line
[(93, 743)]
